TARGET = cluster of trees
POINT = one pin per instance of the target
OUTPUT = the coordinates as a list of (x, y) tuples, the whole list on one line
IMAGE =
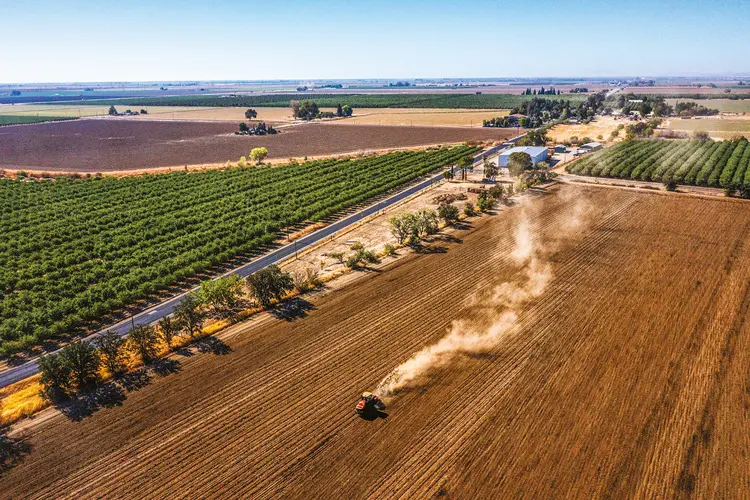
[(259, 129), (539, 111), (542, 91), (579, 90), (642, 129), (724, 164), (693, 109), (308, 110), (75, 250), (77, 367), (128, 112)]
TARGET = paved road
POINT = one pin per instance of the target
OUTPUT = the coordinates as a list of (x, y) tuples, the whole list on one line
[(164, 309)]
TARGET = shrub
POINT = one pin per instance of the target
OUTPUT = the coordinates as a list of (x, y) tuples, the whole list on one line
[(469, 209), (339, 256), (389, 250)]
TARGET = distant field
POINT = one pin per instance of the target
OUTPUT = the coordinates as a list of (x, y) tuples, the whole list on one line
[(717, 127), (687, 90), (723, 105), (602, 125), (102, 145), (23, 119), (473, 101)]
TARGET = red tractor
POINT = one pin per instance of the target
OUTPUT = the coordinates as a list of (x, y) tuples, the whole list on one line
[(369, 403)]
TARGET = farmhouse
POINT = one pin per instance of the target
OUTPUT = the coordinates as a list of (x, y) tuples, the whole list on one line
[(538, 154)]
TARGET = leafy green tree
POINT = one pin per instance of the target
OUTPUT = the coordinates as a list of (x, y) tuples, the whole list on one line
[(485, 202), (55, 377), (244, 127), (110, 350), (250, 114), (112, 111), (168, 330), (269, 284), (142, 341), (188, 315), (427, 221), (465, 163), (82, 360), (307, 110), (258, 155), (347, 110), (400, 227), (221, 293), (518, 163), (449, 213), (469, 209)]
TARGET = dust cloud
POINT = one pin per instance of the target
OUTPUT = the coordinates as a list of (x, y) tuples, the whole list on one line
[(499, 310)]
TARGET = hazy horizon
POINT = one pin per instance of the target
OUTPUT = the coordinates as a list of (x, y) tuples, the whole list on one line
[(84, 41)]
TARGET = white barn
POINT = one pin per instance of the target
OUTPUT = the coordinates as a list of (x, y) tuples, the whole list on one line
[(538, 154)]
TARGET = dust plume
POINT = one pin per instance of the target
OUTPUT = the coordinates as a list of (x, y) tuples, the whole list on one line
[(500, 311)]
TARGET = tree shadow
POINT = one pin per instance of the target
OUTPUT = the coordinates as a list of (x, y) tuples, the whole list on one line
[(292, 309), (84, 405), (164, 367), (185, 351), (212, 345), (447, 238), (430, 249), (135, 380), (12, 449)]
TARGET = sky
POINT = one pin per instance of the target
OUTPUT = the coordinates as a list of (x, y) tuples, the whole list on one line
[(103, 40)]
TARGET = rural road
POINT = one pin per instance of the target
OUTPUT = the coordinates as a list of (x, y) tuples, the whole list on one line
[(166, 308)]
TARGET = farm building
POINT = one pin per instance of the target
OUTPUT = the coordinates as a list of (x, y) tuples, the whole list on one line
[(591, 146), (538, 154)]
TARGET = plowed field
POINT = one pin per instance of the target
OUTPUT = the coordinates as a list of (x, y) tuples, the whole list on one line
[(101, 145), (629, 376)]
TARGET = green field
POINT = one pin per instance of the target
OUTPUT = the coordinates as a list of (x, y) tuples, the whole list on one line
[(701, 163), (22, 119), (723, 105), (76, 250), (473, 101)]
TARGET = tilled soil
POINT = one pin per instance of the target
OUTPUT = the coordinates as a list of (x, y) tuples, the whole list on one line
[(628, 377), (106, 145)]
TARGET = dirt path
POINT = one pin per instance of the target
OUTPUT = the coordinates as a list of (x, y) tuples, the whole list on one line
[(626, 378)]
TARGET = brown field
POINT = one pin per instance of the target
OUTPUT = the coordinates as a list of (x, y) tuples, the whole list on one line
[(101, 145), (602, 125), (719, 127), (627, 377)]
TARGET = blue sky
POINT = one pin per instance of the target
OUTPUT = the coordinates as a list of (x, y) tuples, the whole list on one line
[(71, 40)]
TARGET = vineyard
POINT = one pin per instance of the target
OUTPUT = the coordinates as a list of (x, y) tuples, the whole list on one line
[(723, 164), (77, 250), (475, 101), (21, 119)]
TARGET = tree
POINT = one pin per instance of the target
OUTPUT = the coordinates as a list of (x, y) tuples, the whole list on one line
[(700, 135), (347, 110), (405, 227), (244, 127), (449, 213), (258, 155), (82, 360), (167, 330), (485, 202), (490, 169), (469, 209), (144, 111), (112, 111), (307, 110), (339, 111), (426, 221), (110, 351), (269, 284), (55, 377), (142, 342), (221, 293), (188, 315), (465, 163), (250, 114), (518, 163)]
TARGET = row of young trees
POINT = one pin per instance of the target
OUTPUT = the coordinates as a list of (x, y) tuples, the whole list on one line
[(76, 250), (80, 365), (724, 164)]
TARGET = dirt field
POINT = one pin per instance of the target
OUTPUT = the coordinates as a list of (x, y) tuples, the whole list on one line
[(602, 125), (626, 377), (719, 127), (100, 145)]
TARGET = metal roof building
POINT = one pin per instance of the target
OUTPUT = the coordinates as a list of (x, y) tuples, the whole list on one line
[(537, 153)]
